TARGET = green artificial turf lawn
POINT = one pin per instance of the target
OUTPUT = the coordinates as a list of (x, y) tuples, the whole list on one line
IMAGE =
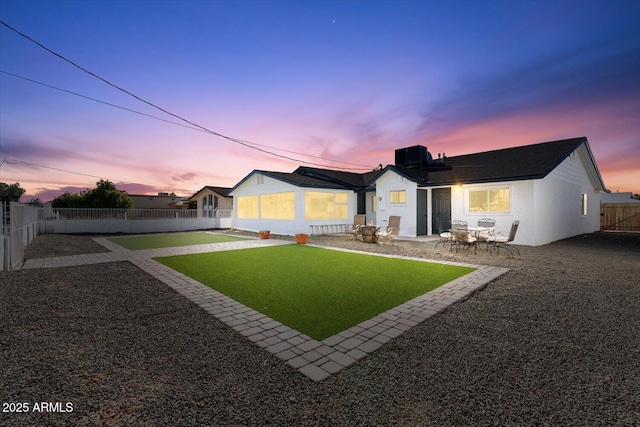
[(316, 291), (170, 240)]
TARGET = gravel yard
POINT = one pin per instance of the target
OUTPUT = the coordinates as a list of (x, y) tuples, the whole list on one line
[(555, 341)]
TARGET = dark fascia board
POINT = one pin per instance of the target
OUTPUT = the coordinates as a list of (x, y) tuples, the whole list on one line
[(281, 177), (242, 181), (212, 188), (328, 175), (595, 166)]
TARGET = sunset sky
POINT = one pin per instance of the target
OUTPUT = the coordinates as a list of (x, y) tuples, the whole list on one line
[(339, 84)]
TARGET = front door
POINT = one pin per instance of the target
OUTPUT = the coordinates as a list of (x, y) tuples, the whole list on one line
[(441, 205)]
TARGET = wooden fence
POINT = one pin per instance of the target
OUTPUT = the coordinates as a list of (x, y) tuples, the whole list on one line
[(620, 216)]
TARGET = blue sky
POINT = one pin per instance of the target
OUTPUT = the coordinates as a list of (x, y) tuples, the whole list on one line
[(346, 82)]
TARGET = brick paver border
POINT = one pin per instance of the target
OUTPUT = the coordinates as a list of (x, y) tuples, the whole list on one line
[(315, 359)]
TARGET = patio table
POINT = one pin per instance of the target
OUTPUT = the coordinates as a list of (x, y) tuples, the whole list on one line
[(476, 231)]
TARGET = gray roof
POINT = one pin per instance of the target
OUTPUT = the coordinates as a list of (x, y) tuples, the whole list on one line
[(509, 164)]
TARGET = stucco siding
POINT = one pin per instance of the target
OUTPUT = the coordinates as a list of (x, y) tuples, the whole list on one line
[(521, 208), (259, 184), (387, 183), (562, 209)]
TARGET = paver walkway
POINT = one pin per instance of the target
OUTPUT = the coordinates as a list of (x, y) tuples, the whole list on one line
[(315, 359)]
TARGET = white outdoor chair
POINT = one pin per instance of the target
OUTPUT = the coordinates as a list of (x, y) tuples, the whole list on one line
[(392, 229), (445, 239), (460, 236), (485, 236), (354, 229), (501, 241)]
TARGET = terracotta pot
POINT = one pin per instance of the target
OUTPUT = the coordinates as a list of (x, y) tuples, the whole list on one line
[(302, 239), (265, 234)]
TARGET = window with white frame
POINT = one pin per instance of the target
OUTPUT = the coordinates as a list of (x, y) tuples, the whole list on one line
[(374, 203), (584, 204), (278, 205), (247, 207), (320, 205), (397, 196), (490, 201)]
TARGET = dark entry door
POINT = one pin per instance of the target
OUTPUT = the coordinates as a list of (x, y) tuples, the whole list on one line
[(441, 214), (422, 218)]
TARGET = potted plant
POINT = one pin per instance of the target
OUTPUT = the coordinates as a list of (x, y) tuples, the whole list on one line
[(265, 234), (302, 238)]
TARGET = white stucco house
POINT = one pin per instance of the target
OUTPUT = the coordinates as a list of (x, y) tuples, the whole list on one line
[(552, 188), (213, 201)]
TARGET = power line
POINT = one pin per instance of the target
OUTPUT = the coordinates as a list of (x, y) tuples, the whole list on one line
[(236, 140), (159, 118)]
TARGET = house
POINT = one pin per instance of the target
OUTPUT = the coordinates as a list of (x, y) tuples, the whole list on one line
[(553, 188), (161, 201), (213, 201), (625, 197), (290, 203)]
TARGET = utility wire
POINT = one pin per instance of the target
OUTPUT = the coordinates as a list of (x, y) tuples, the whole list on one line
[(236, 140), (159, 118)]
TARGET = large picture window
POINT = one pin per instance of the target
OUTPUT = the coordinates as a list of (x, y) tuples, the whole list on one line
[(327, 206), (278, 206), (398, 196), (247, 207), (495, 201)]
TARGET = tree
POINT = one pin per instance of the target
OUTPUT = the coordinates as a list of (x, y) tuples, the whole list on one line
[(105, 195), (35, 202), (68, 200), (636, 196), (10, 193)]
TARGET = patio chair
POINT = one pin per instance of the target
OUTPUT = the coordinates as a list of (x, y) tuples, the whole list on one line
[(392, 229), (501, 241), (354, 229), (485, 236), (445, 239), (462, 237)]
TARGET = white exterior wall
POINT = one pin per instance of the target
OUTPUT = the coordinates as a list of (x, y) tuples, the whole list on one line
[(549, 209), (251, 187), (521, 206), (391, 181), (559, 202)]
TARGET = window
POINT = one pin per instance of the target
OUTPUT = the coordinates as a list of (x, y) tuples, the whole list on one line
[(320, 205), (247, 207), (398, 196), (278, 206), (584, 204), (497, 200), (374, 203)]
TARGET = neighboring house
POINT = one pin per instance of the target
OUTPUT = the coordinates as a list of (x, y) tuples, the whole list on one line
[(553, 188), (213, 201), (161, 201), (618, 198)]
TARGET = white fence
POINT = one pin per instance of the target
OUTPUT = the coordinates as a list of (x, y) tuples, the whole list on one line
[(19, 227), (77, 220)]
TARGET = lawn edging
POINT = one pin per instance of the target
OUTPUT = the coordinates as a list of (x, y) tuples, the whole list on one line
[(318, 360)]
